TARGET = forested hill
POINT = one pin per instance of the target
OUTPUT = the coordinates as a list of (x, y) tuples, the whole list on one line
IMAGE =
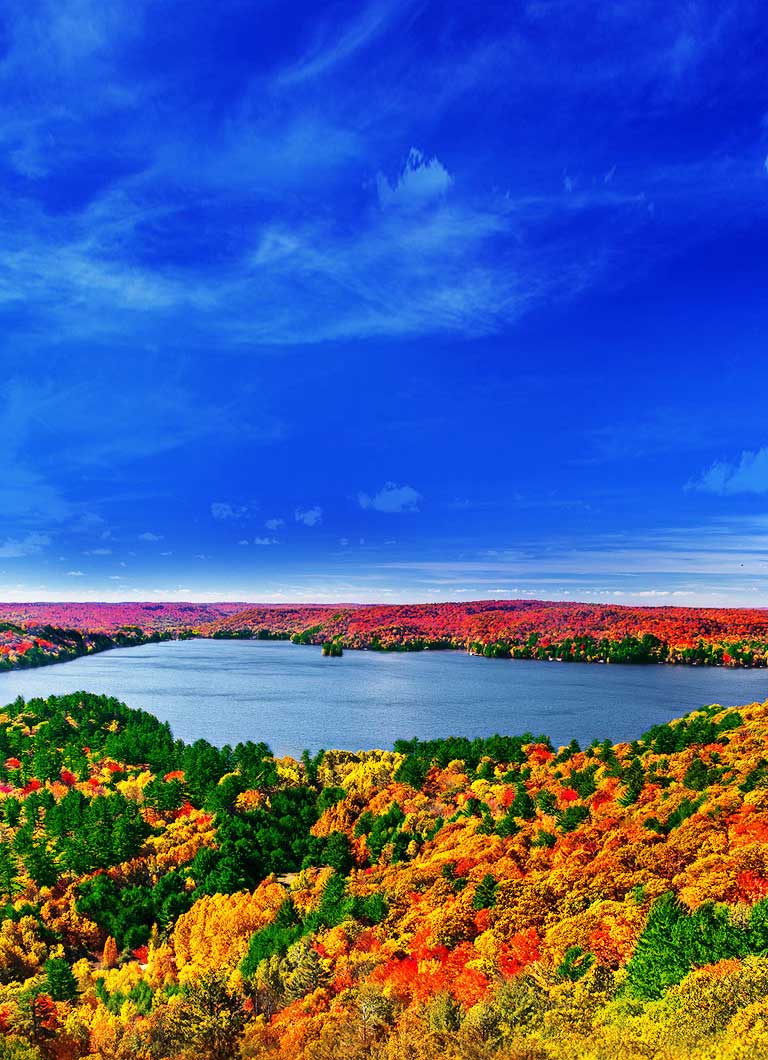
[(22, 647), (522, 629), (458, 898), (31, 634), (36, 634), (149, 616)]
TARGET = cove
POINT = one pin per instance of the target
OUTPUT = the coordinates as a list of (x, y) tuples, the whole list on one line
[(294, 698)]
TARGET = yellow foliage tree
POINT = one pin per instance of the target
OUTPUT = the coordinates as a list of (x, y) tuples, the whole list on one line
[(109, 953), (216, 930)]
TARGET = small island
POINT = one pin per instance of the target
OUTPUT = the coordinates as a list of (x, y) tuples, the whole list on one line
[(333, 648)]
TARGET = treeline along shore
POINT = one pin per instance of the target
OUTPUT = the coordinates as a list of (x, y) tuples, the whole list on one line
[(22, 649), (39, 634)]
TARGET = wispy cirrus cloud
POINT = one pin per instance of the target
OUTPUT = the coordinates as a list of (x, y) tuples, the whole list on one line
[(30, 545), (747, 474), (171, 232), (336, 46), (28, 498), (73, 51)]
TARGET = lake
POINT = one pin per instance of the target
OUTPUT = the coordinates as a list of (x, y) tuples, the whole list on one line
[(292, 697)]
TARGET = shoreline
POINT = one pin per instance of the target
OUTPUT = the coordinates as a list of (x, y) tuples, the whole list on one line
[(40, 658), (511, 655)]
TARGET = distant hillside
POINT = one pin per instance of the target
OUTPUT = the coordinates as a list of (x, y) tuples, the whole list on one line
[(462, 899), (108, 618), (522, 629), (38, 634)]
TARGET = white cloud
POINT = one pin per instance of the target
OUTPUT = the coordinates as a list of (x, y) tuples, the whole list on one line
[(224, 510), (309, 516), (75, 574), (392, 498), (220, 510), (421, 181), (747, 475), (274, 524), (149, 536), (245, 541), (267, 540), (15, 548), (98, 552)]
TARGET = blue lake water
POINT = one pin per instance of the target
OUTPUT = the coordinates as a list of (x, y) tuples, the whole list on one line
[(292, 697)]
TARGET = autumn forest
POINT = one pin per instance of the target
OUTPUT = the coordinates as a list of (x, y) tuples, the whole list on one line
[(455, 898)]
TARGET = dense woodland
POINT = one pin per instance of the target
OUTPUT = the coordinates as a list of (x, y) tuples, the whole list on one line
[(523, 629), (111, 618), (42, 645), (33, 634), (40, 634), (454, 898)]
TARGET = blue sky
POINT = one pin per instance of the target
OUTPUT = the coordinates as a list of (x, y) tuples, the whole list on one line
[(384, 301)]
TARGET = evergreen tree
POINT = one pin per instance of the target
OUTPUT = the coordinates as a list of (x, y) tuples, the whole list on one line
[(485, 893), (696, 776), (9, 870), (59, 980), (522, 805)]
